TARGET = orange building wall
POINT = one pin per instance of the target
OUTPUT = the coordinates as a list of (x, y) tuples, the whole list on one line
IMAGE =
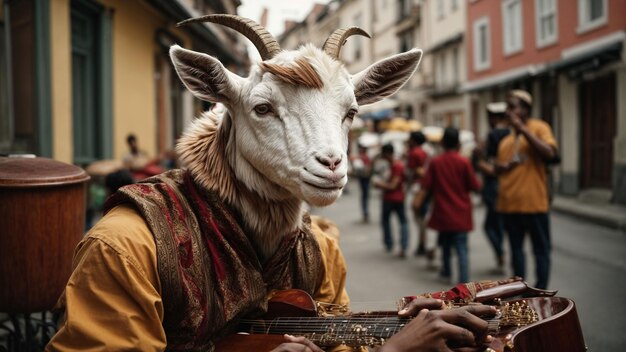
[(567, 19)]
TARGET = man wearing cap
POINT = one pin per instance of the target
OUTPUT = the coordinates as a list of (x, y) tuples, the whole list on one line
[(523, 192), (484, 161)]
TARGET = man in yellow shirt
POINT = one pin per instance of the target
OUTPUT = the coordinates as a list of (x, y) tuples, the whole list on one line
[(523, 193)]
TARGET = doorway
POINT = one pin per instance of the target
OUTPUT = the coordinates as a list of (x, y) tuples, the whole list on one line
[(598, 107)]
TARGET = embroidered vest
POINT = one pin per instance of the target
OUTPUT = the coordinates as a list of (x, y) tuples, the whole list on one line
[(209, 271)]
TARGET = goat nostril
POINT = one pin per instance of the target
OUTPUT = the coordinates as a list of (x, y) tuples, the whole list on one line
[(334, 163), (323, 161), (330, 162)]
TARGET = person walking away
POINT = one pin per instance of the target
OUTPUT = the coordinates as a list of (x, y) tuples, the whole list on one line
[(450, 178), (485, 163), (416, 166), (362, 170), (523, 194), (393, 200)]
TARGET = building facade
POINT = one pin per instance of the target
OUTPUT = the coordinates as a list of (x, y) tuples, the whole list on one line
[(393, 26), (570, 56), (78, 76), (442, 103)]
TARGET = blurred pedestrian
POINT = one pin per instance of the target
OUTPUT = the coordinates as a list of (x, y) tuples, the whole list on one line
[(523, 194), (393, 200), (485, 162), (450, 178), (138, 162), (362, 170), (416, 167)]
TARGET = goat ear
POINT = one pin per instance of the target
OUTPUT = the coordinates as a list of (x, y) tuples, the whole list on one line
[(385, 77), (204, 75)]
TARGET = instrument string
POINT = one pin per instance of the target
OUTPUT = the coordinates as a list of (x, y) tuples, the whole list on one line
[(379, 326)]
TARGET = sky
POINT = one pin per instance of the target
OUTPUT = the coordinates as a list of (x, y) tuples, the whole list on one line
[(279, 11)]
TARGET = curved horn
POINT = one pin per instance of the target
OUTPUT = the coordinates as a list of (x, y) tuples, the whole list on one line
[(332, 45), (265, 43)]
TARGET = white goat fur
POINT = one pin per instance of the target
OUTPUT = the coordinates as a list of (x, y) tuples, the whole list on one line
[(266, 165)]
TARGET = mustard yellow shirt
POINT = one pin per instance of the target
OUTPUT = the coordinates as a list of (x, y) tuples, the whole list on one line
[(113, 301), (524, 189)]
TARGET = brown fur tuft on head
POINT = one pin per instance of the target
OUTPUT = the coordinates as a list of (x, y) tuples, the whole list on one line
[(301, 74)]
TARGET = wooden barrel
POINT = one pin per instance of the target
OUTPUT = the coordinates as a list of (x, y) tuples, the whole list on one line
[(42, 218)]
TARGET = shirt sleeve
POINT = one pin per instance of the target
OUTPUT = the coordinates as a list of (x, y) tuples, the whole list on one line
[(545, 134), (333, 287), (472, 180), (111, 302), (427, 181)]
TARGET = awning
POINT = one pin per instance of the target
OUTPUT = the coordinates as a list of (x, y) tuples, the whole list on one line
[(503, 78), (377, 115), (590, 60), (589, 57), (379, 110)]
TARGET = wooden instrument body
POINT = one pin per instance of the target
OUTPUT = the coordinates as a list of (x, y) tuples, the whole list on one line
[(558, 328), (42, 207)]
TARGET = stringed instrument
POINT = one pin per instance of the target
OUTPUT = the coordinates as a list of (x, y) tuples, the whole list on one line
[(528, 325)]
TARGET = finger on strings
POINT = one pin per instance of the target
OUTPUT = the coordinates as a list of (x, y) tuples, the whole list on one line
[(418, 304), (303, 341), (481, 310), (458, 336), (473, 319)]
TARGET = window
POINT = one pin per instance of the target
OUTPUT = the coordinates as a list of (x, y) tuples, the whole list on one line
[(455, 66), (358, 42), (5, 121), (591, 14), (441, 79), (481, 44), (440, 8), (404, 9), (546, 22), (454, 5), (19, 124), (512, 26), (406, 41)]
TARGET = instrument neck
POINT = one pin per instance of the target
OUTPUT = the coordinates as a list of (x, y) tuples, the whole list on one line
[(332, 331)]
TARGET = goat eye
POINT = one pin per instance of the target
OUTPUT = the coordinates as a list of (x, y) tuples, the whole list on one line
[(350, 115), (263, 109)]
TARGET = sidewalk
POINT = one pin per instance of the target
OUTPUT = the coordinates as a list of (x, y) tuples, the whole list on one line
[(605, 214)]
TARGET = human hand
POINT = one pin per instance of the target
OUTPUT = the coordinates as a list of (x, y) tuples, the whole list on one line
[(413, 308), (501, 168), (416, 203), (516, 122), (478, 153), (459, 329), (297, 344)]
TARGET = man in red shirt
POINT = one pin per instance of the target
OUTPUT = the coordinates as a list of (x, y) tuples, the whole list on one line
[(450, 178), (393, 201), (416, 167)]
